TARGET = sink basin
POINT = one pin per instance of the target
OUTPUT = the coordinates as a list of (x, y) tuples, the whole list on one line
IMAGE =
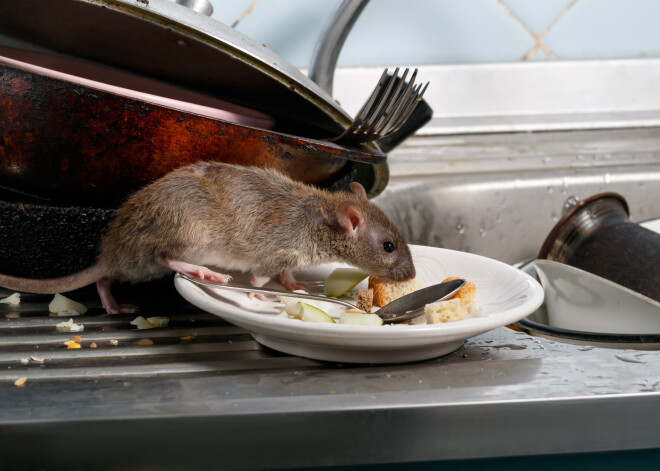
[(499, 195)]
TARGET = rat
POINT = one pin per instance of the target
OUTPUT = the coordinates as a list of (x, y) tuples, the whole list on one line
[(215, 215)]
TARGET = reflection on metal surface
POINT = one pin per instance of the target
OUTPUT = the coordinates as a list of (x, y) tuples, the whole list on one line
[(499, 195)]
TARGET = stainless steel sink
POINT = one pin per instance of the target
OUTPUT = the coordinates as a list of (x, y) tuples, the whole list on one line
[(498, 195)]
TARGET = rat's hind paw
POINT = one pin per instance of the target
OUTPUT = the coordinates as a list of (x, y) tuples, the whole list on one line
[(196, 271)]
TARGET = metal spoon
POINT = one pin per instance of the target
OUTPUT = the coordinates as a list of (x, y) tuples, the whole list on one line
[(403, 309)]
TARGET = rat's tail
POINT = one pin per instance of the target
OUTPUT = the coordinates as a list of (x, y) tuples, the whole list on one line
[(54, 285)]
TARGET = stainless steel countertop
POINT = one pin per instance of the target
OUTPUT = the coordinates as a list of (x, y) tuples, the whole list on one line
[(221, 400)]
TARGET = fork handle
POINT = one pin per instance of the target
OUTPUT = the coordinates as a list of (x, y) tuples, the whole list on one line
[(266, 291)]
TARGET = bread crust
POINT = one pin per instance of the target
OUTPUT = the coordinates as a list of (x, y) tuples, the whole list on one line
[(386, 291)]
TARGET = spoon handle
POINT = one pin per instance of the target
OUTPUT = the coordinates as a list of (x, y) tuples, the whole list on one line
[(267, 291)]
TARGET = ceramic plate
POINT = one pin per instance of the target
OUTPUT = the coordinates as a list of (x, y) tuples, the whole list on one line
[(618, 335), (504, 295), (579, 300)]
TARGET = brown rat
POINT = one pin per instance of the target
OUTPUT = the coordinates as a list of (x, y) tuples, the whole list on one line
[(235, 218)]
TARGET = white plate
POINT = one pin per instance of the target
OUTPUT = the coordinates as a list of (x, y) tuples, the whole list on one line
[(504, 295), (579, 300)]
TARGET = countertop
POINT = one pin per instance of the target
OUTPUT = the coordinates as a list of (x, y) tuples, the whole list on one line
[(219, 398)]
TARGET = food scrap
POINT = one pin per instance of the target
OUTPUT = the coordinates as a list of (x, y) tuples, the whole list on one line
[(150, 323), (456, 308), (69, 326), (12, 300), (386, 291), (365, 300), (144, 342), (65, 307), (20, 382)]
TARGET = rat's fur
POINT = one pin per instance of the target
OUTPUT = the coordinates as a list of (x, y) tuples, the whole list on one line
[(235, 218)]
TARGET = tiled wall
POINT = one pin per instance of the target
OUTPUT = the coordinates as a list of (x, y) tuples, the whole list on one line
[(397, 32)]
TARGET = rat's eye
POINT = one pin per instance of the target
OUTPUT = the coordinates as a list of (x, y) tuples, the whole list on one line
[(388, 246)]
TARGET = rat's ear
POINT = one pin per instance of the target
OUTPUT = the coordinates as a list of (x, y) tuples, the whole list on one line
[(358, 189), (349, 217)]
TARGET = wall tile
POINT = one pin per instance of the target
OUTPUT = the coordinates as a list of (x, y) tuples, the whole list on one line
[(537, 15), (393, 32), (607, 29), (434, 31)]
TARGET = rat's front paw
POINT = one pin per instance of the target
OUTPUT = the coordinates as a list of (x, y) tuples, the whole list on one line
[(258, 296), (287, 280)]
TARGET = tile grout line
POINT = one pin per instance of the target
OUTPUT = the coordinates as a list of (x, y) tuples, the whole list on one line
[(247, 11), (538, 38)]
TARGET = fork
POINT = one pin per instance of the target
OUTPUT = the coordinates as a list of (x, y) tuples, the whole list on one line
[(386, 110)]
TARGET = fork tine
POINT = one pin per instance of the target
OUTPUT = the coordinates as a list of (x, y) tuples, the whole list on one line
[(397, 105), (382, 102), (388, 107), (416, 97), (391, 110), (372, 98)]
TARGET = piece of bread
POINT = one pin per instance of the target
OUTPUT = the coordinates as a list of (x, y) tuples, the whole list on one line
[(365, 300), (449, 310), (467, 294), (386, 291)]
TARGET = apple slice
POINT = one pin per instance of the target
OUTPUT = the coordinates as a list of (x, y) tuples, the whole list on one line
[(309, 313), (65, 306), (358, 318), (342, 280)]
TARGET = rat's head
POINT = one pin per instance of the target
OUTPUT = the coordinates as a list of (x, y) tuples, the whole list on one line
[(370, 240)]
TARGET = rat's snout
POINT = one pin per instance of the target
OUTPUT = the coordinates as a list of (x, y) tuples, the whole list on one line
[(402, 272)]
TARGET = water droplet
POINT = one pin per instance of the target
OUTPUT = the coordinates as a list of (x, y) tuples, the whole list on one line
[(629, 358), (551, 190), (569, 203), (482, 232), (460, 228)]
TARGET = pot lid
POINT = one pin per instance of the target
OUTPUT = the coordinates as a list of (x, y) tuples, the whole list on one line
[(170, 42)]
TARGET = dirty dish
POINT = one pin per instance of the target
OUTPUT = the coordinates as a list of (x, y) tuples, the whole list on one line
[(405, 308), (504, 296), (579, 300)]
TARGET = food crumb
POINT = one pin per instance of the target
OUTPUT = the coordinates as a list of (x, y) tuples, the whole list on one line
[(332, 391), (92, 345), (69, 326), (20, 382), (114, 342), (73, 345), (12, 300), (144, 342), (187, 338), (76, 338), (37, 359), (24, 361), (69, 342)]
